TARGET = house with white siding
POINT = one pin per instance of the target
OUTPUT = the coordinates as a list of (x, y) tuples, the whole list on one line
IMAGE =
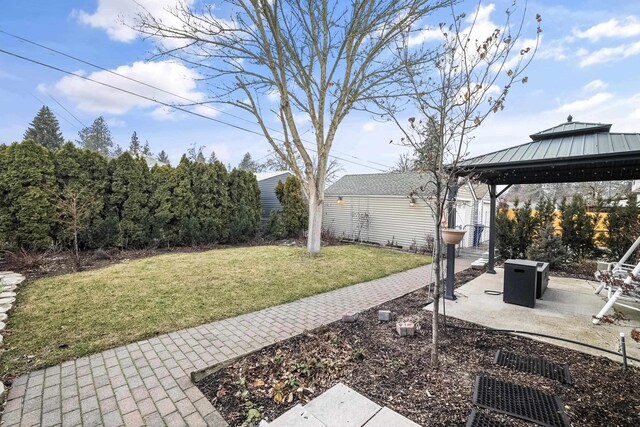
[(379, 208), (267, 182)]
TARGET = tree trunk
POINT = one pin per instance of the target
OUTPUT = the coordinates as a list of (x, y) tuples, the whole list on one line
[(75, 248), (437, 249), (316, 201)]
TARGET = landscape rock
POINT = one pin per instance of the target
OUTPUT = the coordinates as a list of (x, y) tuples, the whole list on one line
[(350, 317), (3, 317), (406, 329), (384, 315), (7, 294), (4, 301), (5, 308), (2, 326)]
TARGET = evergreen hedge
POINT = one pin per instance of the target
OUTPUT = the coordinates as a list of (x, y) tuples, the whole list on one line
[(127, 205)]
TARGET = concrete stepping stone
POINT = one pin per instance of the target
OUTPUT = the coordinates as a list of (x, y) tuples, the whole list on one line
[(12, 280), (297, 416), (387, 418), (342, 406)]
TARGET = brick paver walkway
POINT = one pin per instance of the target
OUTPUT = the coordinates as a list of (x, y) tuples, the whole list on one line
[(148, 383)]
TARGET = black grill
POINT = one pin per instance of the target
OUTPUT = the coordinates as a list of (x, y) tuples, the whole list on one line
[(534, 365), (522, 402), (478, 419)]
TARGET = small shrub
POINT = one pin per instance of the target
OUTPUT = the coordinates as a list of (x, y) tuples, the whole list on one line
[(276, 227), (547, 247)]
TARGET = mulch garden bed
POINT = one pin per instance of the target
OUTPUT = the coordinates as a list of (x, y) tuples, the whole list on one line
[(371, 358)]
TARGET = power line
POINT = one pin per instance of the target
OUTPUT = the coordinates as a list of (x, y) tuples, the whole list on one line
[(218, 110), (24, 58), (65, 109), (60, 115)]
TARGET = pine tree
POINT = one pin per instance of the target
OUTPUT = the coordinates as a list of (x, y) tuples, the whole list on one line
[(247, 164), (134, 145), (195, 153), (45, 130), (213, 158), (97, 137), (163, 158), (146, 150)]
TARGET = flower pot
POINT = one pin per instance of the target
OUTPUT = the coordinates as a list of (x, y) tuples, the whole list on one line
[(452, 237)]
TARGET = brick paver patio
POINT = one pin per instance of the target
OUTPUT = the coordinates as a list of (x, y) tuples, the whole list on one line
[(148, 382)]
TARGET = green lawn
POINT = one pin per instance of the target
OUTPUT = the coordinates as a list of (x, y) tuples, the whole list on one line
[(63, 317)]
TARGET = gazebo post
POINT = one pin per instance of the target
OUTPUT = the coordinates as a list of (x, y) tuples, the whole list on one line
[(451, 249), (492, 229)]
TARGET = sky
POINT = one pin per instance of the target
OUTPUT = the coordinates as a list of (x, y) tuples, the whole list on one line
[(586, 66)]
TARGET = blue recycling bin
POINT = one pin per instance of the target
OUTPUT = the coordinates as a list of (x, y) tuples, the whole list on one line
[(477, 234)]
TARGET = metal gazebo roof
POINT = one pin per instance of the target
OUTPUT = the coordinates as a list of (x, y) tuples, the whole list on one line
[(569, 152)]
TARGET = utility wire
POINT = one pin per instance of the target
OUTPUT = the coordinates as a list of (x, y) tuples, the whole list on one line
[(65, 109), (218, 110), (60, 115), (24, 58)]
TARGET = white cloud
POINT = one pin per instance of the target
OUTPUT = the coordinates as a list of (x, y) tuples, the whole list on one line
[(273, 95), (94, 98), (607, 54), (585, 105), (425, 35), (595, 85), (114, 122), (370, 126), (117, 16), (612, 28)]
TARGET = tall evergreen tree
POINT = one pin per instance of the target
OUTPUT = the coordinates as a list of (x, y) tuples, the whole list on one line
[(212, 157), (195, 153), (163, 158), (129, 199), (83, 173), (146, 149), (185, 204), (244, 200), (134, 146), (45, 130), (248, 164), (164, 227), (97, 137), (27, 208)]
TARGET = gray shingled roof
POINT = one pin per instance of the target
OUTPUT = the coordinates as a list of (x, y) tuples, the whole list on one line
[(377, 184)]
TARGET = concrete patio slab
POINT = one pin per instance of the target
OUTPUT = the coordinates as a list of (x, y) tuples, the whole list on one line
[(565, 311), (387, 418), (297, 416), (342, 406)]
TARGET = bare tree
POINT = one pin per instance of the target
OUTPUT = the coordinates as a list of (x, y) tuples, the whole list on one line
[(320, 59), (469, 80), (74, 207)]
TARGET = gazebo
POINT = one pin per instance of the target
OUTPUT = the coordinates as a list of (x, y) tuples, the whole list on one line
[(569, 152)]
